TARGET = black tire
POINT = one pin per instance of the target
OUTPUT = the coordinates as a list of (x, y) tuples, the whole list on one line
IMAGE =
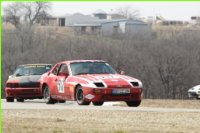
[(47, 96), (80, 96), (133, 103), (9, 99), (20, 100), (62, 101), (97, 103)]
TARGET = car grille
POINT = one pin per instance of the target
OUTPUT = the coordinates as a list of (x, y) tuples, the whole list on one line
[(23, 85), (120, 94), (29, 85), (120, 97)]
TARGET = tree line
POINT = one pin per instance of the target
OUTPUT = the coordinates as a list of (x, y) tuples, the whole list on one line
[(167, 63)]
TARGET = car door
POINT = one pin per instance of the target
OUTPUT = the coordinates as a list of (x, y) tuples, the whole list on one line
[(62, 86), (52, 80)]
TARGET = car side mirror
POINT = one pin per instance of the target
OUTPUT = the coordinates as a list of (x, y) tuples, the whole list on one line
[(122, 72), (49, 73), (63, 74)]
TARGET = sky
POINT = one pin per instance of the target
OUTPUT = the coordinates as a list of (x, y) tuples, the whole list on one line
[(168, 10)]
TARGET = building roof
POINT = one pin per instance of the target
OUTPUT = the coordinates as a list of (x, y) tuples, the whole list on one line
[(105, 21), (79, 19), (99, 11)]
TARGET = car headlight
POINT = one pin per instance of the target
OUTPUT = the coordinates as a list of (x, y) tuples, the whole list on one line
[(137, 83), (140, 84)]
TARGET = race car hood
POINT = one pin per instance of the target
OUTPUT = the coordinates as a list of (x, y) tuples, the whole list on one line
[(111, 80), (22, 79)]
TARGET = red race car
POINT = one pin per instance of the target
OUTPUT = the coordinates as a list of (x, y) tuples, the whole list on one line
[(89, 81), (24, 83)]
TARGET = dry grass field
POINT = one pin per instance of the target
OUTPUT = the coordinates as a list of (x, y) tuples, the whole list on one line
[(75, 121), (105, 121), (189, 104)]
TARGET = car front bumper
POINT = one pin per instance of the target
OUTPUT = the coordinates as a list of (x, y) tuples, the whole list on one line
[(193, 95), (106, 95), (26, 93)]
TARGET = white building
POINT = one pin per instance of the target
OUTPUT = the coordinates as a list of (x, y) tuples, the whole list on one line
[(113, 27), (100, 24), (70, 20)]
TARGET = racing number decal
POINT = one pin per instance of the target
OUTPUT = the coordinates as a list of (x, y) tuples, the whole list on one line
[(108, 77), (61, 86)]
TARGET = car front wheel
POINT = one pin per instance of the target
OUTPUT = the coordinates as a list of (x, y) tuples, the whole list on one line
[(97, 103), (61, 101), (80, 96), (20, 100), (47, 96), (133, 103), (9, 99)]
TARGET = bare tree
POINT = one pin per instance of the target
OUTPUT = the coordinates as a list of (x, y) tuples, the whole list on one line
[(13, 13), (168, 64), (128, 12), (28, 12), (32, 10)]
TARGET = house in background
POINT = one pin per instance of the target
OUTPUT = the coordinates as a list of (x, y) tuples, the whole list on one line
[(100, 24), (51, 21), (70, 20), (100, 14), (195, 20), (113, 27)]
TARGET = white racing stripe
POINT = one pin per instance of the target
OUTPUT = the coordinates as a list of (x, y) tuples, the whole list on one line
[(90, 79)]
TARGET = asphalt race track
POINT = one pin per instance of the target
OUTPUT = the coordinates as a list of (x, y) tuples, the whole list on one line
[(72, 105)]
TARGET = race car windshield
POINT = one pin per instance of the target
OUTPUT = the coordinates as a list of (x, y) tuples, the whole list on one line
[(79, 68), (32, 70)]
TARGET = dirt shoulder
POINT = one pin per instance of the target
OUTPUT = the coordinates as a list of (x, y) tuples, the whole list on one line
[(86, 121), (104, 121), (189, 104)]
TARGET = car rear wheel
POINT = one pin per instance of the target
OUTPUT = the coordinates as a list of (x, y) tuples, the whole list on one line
[(20, 100), (9, 99), (62, 101), (80, 96), (97, 103), (133, 103), (47, 96)]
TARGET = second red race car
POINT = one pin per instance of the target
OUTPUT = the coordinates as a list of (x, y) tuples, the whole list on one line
[(87, 81), (25, 82)]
